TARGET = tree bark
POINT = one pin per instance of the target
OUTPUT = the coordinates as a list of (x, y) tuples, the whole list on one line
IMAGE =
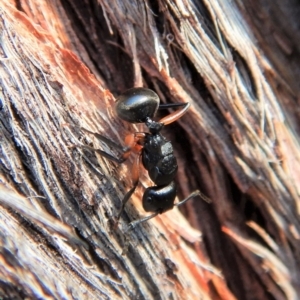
[(62, 64)]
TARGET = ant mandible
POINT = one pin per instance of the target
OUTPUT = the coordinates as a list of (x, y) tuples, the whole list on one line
[(139, 105)]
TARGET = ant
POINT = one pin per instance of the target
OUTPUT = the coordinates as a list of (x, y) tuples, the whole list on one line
[(139, 105)]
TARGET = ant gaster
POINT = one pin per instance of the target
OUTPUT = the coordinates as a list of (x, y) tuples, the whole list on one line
[(139, 105)]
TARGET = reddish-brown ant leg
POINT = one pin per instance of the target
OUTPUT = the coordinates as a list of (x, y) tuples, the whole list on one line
[(129, 142), (174, 116), (134, 143)]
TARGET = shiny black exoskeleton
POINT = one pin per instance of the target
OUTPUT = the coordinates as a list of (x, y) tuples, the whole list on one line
[(139, 105), (160, 162)]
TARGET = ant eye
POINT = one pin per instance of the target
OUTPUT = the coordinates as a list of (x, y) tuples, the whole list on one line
[(149, 199)]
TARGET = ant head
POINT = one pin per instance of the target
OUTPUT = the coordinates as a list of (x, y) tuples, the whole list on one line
[(159, 198), (136, 105)]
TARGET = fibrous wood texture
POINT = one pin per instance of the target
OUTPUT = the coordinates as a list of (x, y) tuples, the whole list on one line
[(61, 65)]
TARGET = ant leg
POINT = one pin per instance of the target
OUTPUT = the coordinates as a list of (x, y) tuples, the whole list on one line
[(133, 224), (134, 141), (172, 117), (131, 140), (118, 160), (135, 177), (192, 195), (106, 140)]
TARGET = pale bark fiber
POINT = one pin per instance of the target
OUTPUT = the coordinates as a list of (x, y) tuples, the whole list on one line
[(61, 65)]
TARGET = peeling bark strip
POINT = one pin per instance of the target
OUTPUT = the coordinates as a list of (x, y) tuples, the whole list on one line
[(59, 68)]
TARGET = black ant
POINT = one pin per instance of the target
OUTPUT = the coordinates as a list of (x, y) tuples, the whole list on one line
[(139, 105)]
